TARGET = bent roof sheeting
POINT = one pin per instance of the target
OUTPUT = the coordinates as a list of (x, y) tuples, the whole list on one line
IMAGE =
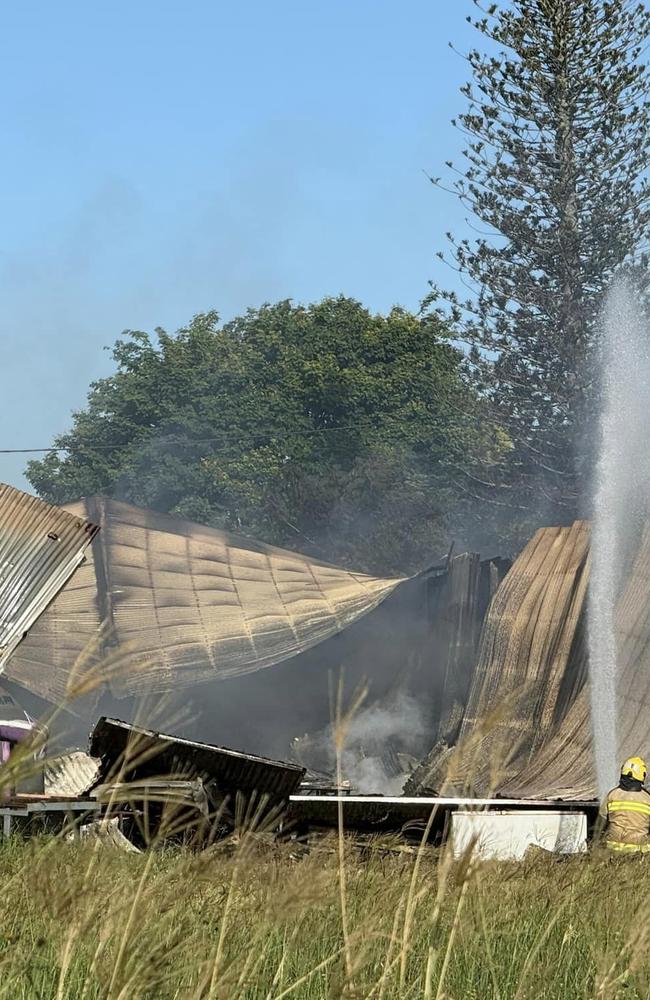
[(523, 731), (564, 764), (40, 548), (527, 641), (527, 728), (183, 603), (135, 752)]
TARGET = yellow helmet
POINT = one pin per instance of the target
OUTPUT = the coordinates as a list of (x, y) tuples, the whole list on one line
[(634, 767)]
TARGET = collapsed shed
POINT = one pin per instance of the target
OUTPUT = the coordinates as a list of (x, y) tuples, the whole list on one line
[(162, 605), (496, 656)]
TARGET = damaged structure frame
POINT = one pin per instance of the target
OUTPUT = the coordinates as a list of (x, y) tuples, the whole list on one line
[(493, 625)]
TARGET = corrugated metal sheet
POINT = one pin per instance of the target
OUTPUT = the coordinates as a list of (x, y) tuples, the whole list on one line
[(566, 760), (528, 683), (146, 754), (70, 774), (458, 601), (182, 603), (40, 547)]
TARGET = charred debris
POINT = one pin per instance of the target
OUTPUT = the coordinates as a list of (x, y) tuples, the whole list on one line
[(256, 635)]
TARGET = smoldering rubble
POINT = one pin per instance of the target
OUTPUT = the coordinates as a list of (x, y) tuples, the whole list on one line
[(374, 757)]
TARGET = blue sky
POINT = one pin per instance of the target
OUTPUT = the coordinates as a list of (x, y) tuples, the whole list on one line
[(161, 159)]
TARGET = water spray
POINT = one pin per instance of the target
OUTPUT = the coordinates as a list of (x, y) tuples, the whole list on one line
[(622, 488)]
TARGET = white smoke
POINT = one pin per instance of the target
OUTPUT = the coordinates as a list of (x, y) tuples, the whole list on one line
[(369, 775), (373, 741)]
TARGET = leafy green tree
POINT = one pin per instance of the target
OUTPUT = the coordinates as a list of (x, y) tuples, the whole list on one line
[(558, 132), (323, 428)]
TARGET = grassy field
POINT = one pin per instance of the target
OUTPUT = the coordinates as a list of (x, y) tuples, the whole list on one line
[(255, 921)]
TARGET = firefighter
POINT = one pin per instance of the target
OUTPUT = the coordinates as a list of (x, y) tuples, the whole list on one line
[(627, 810)]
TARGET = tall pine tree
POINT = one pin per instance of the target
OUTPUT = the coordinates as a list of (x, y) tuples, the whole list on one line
[(558, 131)]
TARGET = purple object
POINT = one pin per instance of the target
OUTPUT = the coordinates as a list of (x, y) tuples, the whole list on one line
[(14, 734)]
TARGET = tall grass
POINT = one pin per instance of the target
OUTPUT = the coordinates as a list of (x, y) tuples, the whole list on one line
[(253, 920)]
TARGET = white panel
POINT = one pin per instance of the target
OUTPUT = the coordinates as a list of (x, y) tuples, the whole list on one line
[(506, 835)]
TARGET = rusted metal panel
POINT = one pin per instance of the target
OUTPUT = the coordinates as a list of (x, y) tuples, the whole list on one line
[(40, 547), (141, 753)]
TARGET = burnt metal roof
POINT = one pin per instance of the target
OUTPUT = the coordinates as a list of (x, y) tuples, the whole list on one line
[(40, 547), (142, 753), (184, 603)]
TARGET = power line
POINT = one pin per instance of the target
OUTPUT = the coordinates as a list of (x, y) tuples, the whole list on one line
[(224, 438), (187, 442), (37, 451), (482, 415)]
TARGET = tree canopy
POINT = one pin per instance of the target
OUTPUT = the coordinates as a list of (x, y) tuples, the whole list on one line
[(323, 428), (557, 124)]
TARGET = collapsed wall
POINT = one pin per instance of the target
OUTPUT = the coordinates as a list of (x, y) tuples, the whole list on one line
[(530, 668), (526, 729), (456, 617)]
